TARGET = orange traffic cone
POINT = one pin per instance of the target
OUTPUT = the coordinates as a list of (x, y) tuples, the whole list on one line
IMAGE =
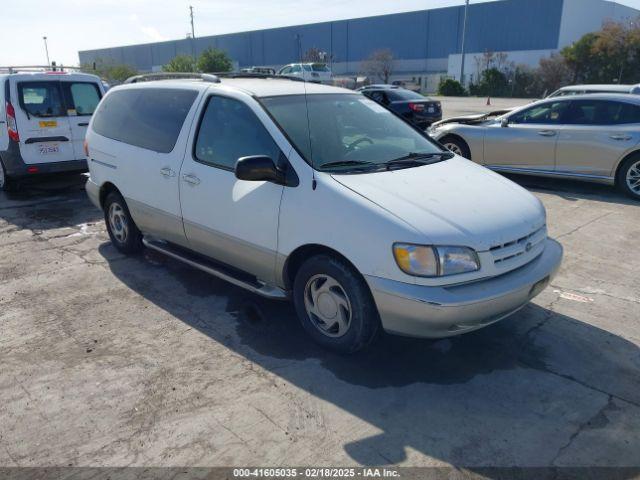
[(489, 100)]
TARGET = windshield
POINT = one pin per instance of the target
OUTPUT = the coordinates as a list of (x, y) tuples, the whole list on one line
[(347, 129)]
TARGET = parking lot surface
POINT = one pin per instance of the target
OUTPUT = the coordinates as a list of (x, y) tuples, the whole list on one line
[(107, 360)]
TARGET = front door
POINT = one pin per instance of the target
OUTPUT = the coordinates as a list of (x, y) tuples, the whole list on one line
[(43, 125), (82, 98), (233, 221), (597, 134), (528, 140)]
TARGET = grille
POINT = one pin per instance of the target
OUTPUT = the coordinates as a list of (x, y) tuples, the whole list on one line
[(530, 244)]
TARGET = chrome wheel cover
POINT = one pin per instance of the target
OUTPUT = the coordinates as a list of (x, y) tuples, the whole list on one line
[(633, 178), (452, 147), (327, 305), (118, 222)]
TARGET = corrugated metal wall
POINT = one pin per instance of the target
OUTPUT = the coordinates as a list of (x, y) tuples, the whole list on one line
[(429, 34)]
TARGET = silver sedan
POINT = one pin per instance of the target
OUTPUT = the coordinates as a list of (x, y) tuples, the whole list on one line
[(588, 137)]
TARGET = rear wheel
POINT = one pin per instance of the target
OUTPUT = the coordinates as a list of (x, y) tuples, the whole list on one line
[(629, 177), (123, 232), (6, 183), (457, 146), (335, 305)]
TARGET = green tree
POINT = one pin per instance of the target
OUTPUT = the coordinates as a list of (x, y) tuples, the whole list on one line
[(449, 87), (113, 73), (492, 82), (181, 63), (213, 60)]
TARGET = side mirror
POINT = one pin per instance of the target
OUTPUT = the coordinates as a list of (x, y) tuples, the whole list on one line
[(259, 168), (504, 123)]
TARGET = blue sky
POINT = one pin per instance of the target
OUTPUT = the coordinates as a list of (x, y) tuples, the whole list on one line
[(85, 24)]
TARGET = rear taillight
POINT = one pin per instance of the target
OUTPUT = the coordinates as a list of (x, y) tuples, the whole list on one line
[(416, 107), (12, 126), (86, 148)]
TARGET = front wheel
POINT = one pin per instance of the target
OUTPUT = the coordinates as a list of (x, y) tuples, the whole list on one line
[(629, 177), (335, 305), (123, 232), (457, 145)]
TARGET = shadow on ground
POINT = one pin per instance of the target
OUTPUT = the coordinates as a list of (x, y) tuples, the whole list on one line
[(528, 378), (49, 202)]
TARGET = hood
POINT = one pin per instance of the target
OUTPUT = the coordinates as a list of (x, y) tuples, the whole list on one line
[(453, 202), (473, 119)]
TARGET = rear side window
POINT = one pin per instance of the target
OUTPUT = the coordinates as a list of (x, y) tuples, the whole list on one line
[(41, 99), (83, 97), (602, 112), (228, 131), (150, 118)]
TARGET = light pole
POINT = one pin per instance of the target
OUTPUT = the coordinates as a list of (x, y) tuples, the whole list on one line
[(464, 38), (46, 49)]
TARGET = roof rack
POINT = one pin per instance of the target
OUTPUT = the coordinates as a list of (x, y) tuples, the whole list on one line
[(150, 77), (36, 68), (259, 75)]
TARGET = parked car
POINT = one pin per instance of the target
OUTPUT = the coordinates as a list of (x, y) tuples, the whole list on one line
[(43, 119), (584, 89), (353, 214), (415, 108), (592, 137), (260, 70), (311, 72), (408, 84)]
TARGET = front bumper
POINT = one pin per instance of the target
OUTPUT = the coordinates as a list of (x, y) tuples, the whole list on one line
[(437, 312)]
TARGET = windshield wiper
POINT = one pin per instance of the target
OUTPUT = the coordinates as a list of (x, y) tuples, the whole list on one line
[(347, 163), (415, 158)]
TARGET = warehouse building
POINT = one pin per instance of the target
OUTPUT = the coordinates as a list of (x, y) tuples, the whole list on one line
[(426, 44)]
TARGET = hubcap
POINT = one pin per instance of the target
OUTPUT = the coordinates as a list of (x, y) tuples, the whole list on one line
[(327, 305), (633, 178), (118, 222), (453, 148)]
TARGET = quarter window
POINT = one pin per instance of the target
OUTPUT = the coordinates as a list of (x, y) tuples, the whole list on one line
[(41, 99), (230, 130), (150, 118)]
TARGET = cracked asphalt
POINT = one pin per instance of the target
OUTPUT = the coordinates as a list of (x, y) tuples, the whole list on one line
[(107, 360)]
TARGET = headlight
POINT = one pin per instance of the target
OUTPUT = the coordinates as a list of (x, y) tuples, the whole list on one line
[(427, 261)]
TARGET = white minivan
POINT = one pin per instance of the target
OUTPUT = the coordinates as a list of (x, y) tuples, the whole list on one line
[(319, 195), (43, 120)]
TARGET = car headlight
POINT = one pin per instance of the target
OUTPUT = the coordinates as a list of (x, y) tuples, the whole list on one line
[(440, 261)]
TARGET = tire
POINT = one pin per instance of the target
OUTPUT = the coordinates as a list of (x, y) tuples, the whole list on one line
[(628, 180), (457, 146), (123, 232), (7, 184), (335, 291)]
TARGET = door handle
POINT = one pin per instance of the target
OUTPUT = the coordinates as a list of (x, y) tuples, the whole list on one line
[(83, 124), (167, 172), (547, 133), (620, 137), (192, 179)]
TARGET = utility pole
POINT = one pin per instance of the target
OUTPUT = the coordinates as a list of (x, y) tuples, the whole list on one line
[(46, 49), (464, 38), (193, 32)]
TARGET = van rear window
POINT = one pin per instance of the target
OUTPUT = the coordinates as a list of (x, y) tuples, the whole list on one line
[(41, 99), (149, 118)]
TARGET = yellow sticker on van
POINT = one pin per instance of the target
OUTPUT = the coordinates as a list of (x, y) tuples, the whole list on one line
[(48, 124)]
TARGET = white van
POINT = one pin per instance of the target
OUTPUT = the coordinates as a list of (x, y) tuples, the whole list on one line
[(43, 119), (320, 195)]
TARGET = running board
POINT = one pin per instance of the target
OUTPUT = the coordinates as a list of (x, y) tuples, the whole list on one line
[(215, 269)]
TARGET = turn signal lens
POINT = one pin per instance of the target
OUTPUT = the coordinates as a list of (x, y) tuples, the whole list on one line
[(416, 259)]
